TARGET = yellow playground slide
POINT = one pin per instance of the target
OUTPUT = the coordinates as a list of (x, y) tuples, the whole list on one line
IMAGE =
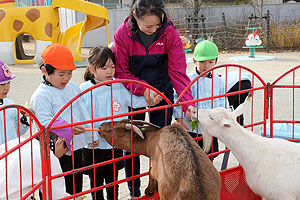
[(96, 16), (43, 24)]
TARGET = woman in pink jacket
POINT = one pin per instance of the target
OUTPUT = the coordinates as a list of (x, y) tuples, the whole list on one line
[(148, 48)]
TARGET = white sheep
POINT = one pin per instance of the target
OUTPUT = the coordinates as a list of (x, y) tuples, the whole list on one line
[(180, 169), (271, 165)]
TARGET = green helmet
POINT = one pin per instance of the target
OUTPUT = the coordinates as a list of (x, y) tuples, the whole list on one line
[(205, 50)]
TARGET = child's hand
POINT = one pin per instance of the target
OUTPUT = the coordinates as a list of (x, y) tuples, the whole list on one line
[(27, 106), (60, 148), (179, 120), (24, 119), (95, 143), (78, 129)]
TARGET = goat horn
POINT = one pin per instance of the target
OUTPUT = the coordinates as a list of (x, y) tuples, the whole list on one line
[(148, 123), (135, 129)]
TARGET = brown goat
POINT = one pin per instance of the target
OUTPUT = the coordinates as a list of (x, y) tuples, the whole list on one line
[(180, 169)]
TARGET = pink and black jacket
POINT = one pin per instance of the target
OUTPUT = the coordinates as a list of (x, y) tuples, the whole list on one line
[(162, 65)]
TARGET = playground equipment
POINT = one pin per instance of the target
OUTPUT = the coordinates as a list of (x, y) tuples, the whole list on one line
[(43, 24), (252, 42), (186, 43)]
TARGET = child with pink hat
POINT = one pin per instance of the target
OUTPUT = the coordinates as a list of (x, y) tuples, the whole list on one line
[(63, 137), (11, 115)]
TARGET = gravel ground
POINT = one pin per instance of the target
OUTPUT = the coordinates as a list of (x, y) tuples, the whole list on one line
[(29, 77)]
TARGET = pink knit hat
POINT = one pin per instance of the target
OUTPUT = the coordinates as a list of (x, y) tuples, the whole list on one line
[(5, 74), (63, 132)]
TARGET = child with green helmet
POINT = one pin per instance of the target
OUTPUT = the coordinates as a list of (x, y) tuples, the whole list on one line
[(205, 55), (208, 85)]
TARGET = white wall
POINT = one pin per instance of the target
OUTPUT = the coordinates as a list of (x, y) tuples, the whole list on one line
[(278, 12)]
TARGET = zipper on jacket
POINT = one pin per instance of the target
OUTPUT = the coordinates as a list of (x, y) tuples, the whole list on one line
[(154, 43), (147, 52)]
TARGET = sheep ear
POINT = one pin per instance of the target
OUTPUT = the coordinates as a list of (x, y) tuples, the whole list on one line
[(135, 129), (226, 123)]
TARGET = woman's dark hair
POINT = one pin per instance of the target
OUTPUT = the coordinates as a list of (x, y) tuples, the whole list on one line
[(50, 70), (143, 7), (98, 57)]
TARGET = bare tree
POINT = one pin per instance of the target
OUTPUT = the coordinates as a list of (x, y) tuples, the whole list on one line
[(194, 16), (193, 7), (258, 10)]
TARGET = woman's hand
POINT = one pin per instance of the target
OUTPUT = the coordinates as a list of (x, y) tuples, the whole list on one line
[(154, 98), (78, 129), (191, 112)]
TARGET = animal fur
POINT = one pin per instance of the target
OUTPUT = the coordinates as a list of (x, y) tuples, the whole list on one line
[(271, 165), (180, 169)]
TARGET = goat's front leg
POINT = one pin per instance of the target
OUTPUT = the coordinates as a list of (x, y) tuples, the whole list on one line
[(152, 185)]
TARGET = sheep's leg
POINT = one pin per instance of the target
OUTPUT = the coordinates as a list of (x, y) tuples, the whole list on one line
[(152, 185)]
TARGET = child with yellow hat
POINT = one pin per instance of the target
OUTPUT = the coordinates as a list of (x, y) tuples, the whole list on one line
[(54, 92)]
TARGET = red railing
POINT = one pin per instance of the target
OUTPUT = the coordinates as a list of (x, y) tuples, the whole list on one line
[(234, 184)]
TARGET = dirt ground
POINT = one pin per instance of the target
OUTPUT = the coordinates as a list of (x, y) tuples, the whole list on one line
[(29, 77)]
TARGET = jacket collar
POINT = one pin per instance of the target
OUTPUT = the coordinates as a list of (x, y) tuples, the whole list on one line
[(209, 75), (46, 82), (94, 82)]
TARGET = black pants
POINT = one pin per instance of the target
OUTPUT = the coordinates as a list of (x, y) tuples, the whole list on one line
[(128, 172), (159, 118), (103, 173), (66, 164), (236, 100)]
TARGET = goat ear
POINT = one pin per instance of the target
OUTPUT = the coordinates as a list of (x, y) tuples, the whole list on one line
[(242, 107), (226, 123), (135, 129), (207, 140)]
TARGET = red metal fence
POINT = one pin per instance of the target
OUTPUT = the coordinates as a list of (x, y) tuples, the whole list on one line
[(21, 161), (260, 117)]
